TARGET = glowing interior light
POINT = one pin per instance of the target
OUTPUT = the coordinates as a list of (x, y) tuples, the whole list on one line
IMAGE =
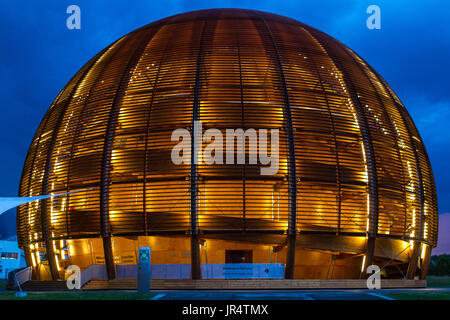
[(112, 214), (425, 225), (113, 156), (424, 251), (33, 260), (368, 215), (363, 263), (53, 216), (57, 262), (272, 206)]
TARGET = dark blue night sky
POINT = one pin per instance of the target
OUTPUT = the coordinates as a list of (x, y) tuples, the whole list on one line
[(38, 55)]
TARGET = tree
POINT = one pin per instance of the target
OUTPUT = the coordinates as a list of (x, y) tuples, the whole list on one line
[(440, 265)]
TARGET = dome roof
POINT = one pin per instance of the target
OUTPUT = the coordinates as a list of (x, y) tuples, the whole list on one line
[(351, 158)]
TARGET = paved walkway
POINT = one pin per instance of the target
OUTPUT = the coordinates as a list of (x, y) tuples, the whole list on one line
[(349, 294)]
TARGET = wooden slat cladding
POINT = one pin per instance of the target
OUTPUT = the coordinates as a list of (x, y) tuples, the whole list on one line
[(356, 151), (405, 180)]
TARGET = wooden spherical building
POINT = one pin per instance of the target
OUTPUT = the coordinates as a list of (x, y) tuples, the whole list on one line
[(354, 185)]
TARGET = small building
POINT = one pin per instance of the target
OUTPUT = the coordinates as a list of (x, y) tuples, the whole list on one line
[(11, 257)]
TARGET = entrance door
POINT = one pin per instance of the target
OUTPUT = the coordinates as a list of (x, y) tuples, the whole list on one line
[(238, 256)]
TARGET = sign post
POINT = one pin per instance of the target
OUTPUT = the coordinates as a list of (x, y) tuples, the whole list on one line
[(144, 270)]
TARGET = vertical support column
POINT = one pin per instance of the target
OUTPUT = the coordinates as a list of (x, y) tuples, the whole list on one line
[(369, 255), (45, 219), (196, 271), (104, 208), (79, 123), (105, 226), (425, 262), (290, 256), (292, 175), (333, 127), (27, 249), (413, 257), (49, 244), (367, 145), (29, 261), (388, 116), (109, 256), (27, 252), (147, 134), (414, 254), (241, 91), (373, 206), (23, 238)]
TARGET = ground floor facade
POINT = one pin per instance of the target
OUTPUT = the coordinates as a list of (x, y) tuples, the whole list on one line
[(237, 256)]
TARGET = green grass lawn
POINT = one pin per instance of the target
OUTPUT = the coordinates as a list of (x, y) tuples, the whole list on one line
[(80, 295), (432, 281), (419, 296), (438, 281)]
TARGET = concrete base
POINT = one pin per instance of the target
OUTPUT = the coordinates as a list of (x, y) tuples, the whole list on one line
[(282, 284)]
